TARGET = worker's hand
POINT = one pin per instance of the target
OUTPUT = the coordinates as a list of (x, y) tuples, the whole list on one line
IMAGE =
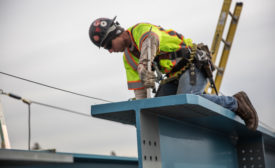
[(149, 82), (148, 78)]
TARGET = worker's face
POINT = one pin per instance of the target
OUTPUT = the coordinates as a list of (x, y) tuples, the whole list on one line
[(118, 44)]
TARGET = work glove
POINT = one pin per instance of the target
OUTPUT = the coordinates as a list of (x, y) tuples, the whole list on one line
[(148, 78)]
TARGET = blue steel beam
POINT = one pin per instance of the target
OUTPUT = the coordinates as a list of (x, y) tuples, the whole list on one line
[(41, 159), (190, 131)]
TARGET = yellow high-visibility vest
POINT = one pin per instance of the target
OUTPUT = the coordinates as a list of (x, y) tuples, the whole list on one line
[(169, 42)]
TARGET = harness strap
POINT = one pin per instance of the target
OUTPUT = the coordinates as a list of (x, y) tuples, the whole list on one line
[(182, 66), (183, 52)]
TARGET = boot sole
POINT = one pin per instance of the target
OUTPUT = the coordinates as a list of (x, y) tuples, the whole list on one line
[(253, 109)]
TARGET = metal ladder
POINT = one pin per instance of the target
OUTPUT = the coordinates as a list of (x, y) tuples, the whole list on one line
[(227, 43)]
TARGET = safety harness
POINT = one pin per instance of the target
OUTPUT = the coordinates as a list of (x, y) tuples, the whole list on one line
[(200, 57), (181, 66)]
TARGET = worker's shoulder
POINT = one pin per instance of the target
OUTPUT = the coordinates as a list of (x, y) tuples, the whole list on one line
[(142, 25)]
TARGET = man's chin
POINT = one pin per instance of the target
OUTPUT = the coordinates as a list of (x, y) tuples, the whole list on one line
[(119, 51)]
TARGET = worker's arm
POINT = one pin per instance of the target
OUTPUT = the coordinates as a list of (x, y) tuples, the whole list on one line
[(147, 77), (145, 47)]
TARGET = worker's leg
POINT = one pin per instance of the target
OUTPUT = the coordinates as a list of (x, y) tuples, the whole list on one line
[(185, 87), (167, 89), (228, 102), (239, 103)]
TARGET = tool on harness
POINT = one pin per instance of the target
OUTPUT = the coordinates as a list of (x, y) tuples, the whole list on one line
[(192, 74), (204, 63), (159, 74), (208, 73)]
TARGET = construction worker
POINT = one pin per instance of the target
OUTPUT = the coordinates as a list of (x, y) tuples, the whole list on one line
[(180, 60)]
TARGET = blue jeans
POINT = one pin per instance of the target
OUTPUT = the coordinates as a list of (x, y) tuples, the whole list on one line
[(182, 86)]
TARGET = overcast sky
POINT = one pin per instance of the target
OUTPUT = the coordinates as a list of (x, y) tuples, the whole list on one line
[(47, 41)]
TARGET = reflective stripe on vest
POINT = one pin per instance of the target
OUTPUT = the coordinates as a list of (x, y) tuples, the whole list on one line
[(172, 33), (134, 85), (142, 38), (130, 59)]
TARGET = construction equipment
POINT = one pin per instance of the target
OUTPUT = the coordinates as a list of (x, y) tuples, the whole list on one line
[(4, 126), (227, 43)]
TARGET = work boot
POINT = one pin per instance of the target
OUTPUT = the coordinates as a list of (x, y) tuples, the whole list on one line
[(246, 110)]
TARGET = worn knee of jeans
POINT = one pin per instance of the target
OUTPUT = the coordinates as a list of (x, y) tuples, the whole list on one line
[(185, 87), (228, 102)]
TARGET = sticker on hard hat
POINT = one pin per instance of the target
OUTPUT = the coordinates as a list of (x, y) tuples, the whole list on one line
[(97, 29), (96, 23), (103, 23), (96, 37)]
